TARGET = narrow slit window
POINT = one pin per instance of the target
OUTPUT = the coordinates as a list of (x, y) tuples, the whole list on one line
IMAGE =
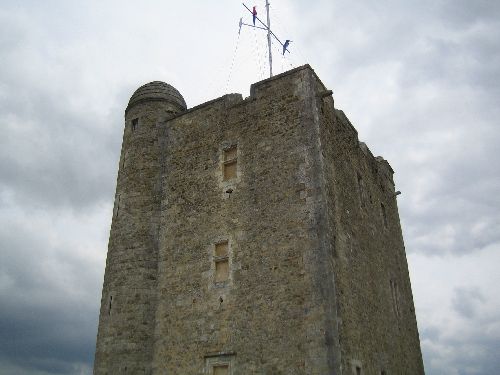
[(361, 191), (230, 163), (117, 205), (384, 214), (395, 298), (110, 304), (135, 124), (221, 262)]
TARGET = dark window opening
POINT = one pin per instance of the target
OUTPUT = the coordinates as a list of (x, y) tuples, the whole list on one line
[(135, 123), (358, 370), (110, 304)]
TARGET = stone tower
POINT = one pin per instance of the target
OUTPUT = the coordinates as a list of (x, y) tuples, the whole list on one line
[(253, 236), (129, 298)]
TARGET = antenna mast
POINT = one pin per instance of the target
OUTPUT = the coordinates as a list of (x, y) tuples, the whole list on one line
[(269, 40), (269, 33)]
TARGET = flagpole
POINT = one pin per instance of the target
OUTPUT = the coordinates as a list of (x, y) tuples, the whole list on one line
[(269, 40)]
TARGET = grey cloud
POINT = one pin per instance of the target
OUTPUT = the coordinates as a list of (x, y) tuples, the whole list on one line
[(46, 323), (474, 345), (48, 341), (471, 62), (449, 204), (466, 300), (463, 13), (51, 156), (470, 356), (6, 367), (65, 174), (430, 333), (54, 151), (416, 36), (460, 202)]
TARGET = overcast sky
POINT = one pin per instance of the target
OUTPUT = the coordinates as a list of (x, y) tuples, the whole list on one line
[(420, 80)]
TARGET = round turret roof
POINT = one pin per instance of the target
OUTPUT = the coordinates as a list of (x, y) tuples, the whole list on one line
[(157, 91)]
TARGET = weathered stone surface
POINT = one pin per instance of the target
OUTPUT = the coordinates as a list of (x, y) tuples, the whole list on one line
[(254, 236)]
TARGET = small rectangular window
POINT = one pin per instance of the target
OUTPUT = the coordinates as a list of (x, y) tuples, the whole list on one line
[(219, 363), (221, 261), (356, 367), (221, 270), (221, 249), (221, 370), (230, 163), (230, 170), (230, 153), (135, 123)]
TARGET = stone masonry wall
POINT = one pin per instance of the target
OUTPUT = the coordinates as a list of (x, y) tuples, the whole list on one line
[(268, 318), (128, 305), (377, 325)]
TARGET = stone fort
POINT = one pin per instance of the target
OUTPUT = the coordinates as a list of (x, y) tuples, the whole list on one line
[(253, 236)]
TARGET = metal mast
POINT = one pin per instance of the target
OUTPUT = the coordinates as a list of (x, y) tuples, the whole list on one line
[(269, 33), (269, 40)]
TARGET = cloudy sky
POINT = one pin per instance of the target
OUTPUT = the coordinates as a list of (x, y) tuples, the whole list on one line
[(420, 80)]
